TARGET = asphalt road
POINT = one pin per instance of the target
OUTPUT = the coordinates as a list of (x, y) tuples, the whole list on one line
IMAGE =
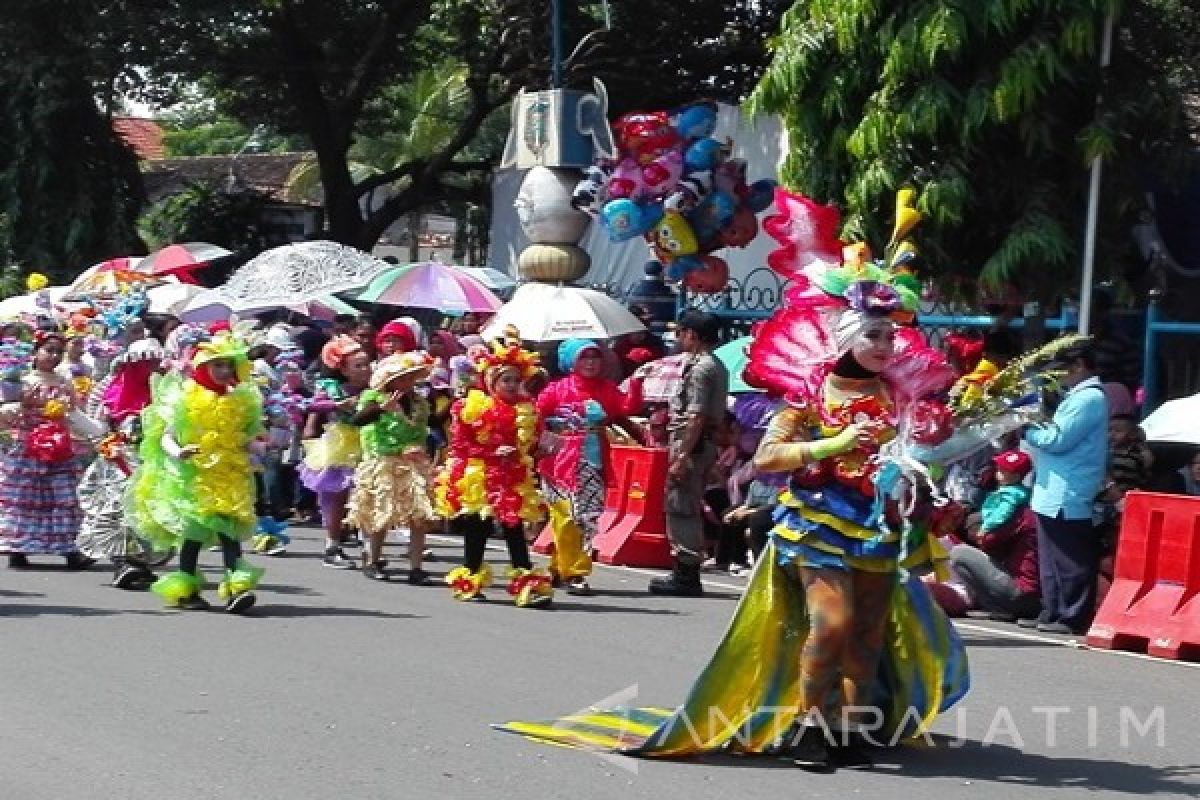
[(340, 687)]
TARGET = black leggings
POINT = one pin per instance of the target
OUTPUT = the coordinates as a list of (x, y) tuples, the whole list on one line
[(189, 554), (476, 530)]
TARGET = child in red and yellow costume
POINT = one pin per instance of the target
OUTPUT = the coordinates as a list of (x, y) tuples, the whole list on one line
[(489, 475)]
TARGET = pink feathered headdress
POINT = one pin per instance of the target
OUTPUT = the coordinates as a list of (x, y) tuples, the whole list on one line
[(794, 350)]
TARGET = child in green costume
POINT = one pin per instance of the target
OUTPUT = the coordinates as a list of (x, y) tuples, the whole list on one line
[(195, 485)]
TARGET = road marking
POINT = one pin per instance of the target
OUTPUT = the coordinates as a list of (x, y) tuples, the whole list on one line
[(1020, 635)]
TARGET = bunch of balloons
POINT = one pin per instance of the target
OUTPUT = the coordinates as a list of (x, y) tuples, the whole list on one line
[(678, 187)]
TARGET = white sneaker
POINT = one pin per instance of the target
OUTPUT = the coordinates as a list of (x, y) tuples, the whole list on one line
[(738, 570)]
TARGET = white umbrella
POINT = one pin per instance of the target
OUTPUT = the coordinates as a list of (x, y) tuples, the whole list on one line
[(27, 304), (172, 298), (1175, 421), (297, 273), (546, 313)]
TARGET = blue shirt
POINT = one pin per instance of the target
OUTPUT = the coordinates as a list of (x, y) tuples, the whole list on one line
[(1070, 454)]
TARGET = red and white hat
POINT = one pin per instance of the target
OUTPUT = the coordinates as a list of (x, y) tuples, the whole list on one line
[(1013, 461)]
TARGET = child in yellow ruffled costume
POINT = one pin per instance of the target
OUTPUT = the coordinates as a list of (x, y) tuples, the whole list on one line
[(331, 442), (391, 484), (489, 476), (195, 485)]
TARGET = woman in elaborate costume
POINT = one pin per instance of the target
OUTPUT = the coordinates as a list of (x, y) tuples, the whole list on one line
[(39, 468), (194, 487), (488, 477), (576, 409), (835, 625), (391, 483), (119, 400)]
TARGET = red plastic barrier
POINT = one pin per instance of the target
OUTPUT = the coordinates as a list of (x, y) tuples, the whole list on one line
[(1153, 602), (632, 531)]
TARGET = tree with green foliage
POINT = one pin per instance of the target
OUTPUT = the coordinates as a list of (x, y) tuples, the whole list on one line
[(200, 130), (348, 76), (70, 188), (993, 109), (204, 212), (663, 53), (322, 68)]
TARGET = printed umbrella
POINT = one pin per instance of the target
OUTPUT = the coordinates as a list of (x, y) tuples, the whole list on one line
[(108, 282), (545, 313), (181, 259), (1175, 421), (297, 273), (733, 356), (432, 285)]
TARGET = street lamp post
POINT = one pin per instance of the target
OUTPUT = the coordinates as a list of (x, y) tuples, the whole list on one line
[(1093, 209)]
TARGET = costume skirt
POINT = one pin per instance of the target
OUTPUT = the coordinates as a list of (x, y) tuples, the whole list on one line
[(747, 698), (102, 499), (39, 510), (330, 480), (833, 527), (391, 492)]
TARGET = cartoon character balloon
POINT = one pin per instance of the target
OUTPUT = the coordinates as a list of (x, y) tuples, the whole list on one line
[(711, 278), (675, 182)]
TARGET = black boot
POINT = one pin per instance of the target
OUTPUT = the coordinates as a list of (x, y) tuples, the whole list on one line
[(850, 752), (131, 576), (810, 751), (683, 581), (77, 561)]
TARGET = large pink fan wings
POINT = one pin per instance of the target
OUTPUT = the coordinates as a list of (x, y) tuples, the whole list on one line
[(807, 232)]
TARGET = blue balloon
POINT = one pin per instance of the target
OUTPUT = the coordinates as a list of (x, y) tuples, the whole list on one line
[(702, 155), (624, 219), (696, 121), (761, 195)]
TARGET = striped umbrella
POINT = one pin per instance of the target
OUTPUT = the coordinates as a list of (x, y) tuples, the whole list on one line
[(431, 285)]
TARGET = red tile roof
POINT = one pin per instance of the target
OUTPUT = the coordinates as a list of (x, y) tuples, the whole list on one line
[(143, 136)]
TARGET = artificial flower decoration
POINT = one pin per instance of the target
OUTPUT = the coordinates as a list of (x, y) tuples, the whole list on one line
[(338, 349), (54, 409), (50, 442), (856, 256), (36, 282), (873, 297)]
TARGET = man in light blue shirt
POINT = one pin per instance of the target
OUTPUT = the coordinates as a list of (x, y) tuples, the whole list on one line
[(1069, 455)]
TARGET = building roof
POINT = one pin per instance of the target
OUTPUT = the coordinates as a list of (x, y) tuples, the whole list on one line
[(263, 172), (142, 135)]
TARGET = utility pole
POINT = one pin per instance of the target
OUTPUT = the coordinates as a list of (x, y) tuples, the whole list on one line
[(1093, 209)]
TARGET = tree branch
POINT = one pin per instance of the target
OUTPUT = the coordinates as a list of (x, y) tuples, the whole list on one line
[(367, 66), (413, 167)]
